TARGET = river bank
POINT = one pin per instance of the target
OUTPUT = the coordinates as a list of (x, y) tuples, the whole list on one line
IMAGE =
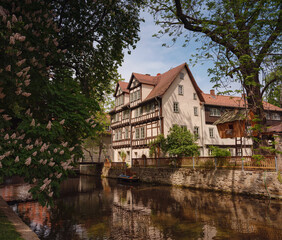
[(16, 229), (255, 183)]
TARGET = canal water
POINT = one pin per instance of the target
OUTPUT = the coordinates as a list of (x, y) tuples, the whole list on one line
[(92, 208)]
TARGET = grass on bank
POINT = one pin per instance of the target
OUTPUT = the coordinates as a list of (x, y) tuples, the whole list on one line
[(7, 230)]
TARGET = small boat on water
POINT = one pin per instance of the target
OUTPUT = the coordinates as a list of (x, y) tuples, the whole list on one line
[(127, 178)]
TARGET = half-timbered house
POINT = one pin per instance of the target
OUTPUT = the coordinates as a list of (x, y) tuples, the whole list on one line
[(147, 106)]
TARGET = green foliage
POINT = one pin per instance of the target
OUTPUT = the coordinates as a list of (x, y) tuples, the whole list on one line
[(158, 144), (57, 62), (123, 155), (181, 142), (273, 92), (219, 152), (279, 177), (241, 37), (7, 230), (96, 35)]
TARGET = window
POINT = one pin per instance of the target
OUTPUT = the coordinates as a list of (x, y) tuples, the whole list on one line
[(267, 116), (119, 100), (181, 75), (126, 133), (195, 111), (126, 114), (134, 96), (120, 134), (142, 132), (175, 107), (138, 94), (137, 133), (195, 96), (211, 133), (275, 116), (231, 151), (196, 132), (215, 112), (116, 135), (180, 89), (210, 152)]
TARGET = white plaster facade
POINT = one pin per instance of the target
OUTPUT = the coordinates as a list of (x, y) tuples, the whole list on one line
[(153, 111)]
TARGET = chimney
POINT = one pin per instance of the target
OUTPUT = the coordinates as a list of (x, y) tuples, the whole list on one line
[(158, 74), (212, 92)]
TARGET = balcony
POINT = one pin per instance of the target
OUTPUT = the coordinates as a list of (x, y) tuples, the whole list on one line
[(123, 122), (121, 143), (145, 118), (141, 143)]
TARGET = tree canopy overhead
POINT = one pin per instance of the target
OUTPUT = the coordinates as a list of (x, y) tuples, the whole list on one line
[(45, 111), (96, 34), (242, 37)]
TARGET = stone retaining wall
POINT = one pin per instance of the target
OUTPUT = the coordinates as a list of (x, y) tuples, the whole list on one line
[(259, 183)]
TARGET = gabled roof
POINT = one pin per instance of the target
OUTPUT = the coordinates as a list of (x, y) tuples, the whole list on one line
[(166, 79), (123, 87), (229, 101), (143, 78)]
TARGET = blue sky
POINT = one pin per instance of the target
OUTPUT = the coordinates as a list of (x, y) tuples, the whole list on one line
[(149, 57)]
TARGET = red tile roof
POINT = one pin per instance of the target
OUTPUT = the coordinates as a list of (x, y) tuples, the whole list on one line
[(123, 86), (144, 78), (163, 81), (166, 79), (229, 101)]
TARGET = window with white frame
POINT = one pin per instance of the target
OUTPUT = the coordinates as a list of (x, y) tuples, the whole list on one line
[(276, 116), (116, 135), (138, 94), (175, 107), (181, 75), (180, 90), (126, 114), (137, 133), (231, 151), (142, 132), (215, 112), (268, 117), (126, 133), (195, 96), (197, 131), (195, 111), (120, 134), (211, 133)]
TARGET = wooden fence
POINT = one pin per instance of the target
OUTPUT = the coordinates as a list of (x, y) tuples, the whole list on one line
[(117, 165), (245, 162)]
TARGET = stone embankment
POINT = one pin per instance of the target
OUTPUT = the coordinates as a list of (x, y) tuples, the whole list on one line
[(256, 183)]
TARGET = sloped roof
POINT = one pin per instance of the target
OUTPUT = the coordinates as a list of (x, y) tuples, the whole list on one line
[(275, 129), (144, 78), (232, 116), (166, 79), (229, 101), (123, 87)]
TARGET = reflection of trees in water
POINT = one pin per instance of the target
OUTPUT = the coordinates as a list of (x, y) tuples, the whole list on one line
[(107, 210)]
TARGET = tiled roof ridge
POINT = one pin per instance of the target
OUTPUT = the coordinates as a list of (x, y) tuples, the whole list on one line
[(234, 101)]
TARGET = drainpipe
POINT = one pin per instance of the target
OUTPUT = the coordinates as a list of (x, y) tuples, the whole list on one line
[(202, 126), (159, 104)]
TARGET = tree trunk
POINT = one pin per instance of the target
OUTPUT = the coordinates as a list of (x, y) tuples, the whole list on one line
[(255, 104), (100, 152)]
